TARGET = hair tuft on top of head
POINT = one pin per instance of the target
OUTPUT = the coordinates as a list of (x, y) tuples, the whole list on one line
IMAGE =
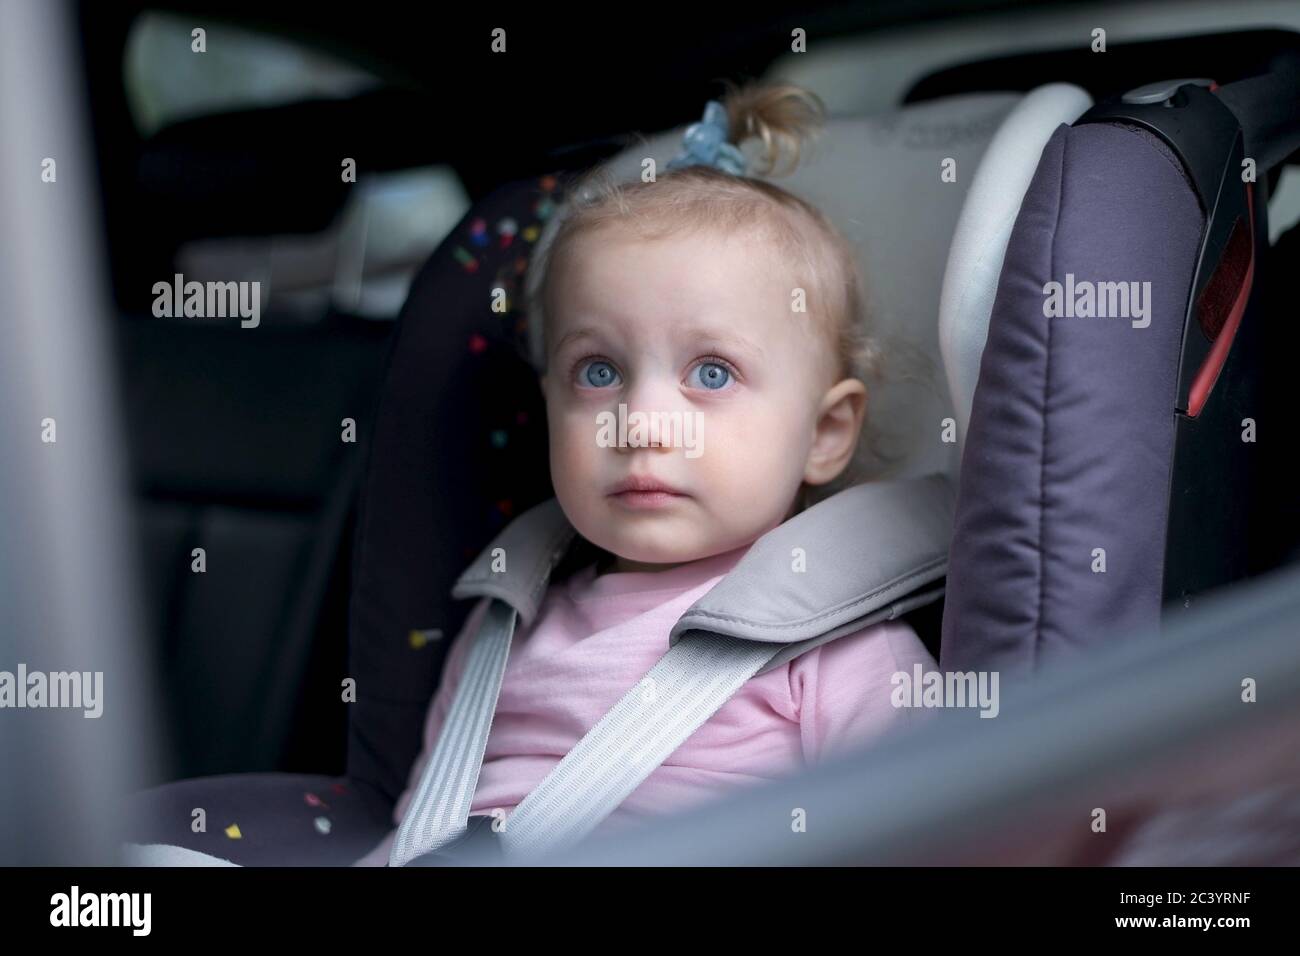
[(782, 116)]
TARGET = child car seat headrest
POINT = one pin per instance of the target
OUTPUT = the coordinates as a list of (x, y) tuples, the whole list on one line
[(979, 242)]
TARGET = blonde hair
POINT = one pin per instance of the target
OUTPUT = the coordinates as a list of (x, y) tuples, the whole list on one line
[(782, 119)]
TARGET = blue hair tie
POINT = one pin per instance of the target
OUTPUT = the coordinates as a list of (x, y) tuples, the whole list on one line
[(705, 143)]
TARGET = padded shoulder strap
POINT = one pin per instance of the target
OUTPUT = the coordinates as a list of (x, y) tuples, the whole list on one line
[(517, 565), (861, 556)]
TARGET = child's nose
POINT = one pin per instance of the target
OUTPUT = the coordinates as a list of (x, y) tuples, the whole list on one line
[(653, 394), (649, 407)]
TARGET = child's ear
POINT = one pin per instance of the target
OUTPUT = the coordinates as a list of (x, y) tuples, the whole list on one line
[(836, 431)]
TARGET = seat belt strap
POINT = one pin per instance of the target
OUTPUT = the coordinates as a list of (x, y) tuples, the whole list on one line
[(689, 684), (439, 811)]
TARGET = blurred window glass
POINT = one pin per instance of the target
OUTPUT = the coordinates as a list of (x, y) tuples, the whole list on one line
[(167, 81), (363, 263)]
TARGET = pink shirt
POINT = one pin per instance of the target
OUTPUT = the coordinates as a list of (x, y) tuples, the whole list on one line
[(595, 637)]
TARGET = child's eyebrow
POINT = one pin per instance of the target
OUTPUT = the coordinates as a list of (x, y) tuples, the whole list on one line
[(585, 332), (724, 341), (706, 338)]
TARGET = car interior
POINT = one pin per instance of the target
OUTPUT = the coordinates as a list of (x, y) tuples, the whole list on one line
[(306, 493)]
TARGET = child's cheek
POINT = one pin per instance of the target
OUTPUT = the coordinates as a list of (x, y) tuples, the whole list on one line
[(573, 444), (578, 427), (758, 445)]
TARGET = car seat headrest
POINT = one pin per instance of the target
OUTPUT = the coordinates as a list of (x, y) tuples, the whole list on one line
[(979, 243)]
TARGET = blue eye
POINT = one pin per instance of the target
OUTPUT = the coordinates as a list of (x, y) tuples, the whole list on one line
[(711, 375), (599, 374)]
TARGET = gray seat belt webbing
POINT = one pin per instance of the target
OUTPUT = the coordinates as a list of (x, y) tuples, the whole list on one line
[(439, 810), (698, 674), (685, 688)]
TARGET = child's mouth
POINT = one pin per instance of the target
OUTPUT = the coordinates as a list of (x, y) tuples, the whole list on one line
[(644, 500), (644, 494)]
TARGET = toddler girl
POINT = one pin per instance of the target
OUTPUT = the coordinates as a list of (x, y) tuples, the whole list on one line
[(706, 293)]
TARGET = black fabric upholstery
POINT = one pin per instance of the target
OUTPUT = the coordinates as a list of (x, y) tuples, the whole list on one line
[(262, 819), (459, 448)]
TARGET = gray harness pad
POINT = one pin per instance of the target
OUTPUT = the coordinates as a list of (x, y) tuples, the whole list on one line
[(864, 555)]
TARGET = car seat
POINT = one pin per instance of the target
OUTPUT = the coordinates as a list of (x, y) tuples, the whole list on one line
[(459, 448), (1109, 473)]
